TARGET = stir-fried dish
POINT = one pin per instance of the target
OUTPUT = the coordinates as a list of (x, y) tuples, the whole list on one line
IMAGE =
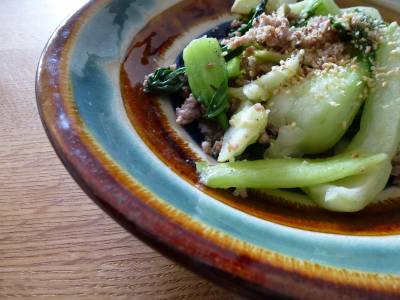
[(302, 95)]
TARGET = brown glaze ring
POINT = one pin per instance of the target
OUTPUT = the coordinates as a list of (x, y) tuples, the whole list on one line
[(255, 272), (152, 125)]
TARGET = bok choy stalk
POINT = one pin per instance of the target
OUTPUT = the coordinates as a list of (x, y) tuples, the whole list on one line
[(246, 127), (314, 114), (208, 77), (379, 133), (320, 8), (274, 5), (310, 8), (285, 173), (245, 7), (266, 56), (233, 67), (262, 88)]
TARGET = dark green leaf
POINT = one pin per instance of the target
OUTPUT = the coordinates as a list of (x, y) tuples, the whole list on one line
[(165, 81), (233, 53), (219, 102)]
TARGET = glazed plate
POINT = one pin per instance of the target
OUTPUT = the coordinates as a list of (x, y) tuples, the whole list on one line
[(125, 150)]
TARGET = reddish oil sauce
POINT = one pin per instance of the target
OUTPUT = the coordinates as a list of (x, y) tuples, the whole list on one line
[(151, 124)]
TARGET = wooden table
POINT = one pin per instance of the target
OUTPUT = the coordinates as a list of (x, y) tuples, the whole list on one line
[(55, 243)]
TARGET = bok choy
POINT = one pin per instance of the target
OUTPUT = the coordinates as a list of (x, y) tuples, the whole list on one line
[(208, 77), (379, 133)]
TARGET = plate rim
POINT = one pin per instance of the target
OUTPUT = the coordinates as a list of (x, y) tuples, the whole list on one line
[(211, 260)]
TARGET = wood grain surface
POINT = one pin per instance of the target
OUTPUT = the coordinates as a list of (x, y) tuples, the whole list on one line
[(55, 243)]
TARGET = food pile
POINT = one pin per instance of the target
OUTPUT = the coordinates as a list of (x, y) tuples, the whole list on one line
[(299, 95)]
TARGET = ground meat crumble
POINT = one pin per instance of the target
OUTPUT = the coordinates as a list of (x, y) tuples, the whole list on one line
[(276, 32), (316, 58), (212, 149), (269, 30), (319, 39), (317, 33), (213, 135), (190, 111)]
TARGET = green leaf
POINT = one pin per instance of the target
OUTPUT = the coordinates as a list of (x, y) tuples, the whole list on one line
[(208, 76), (165, 81), (219, 102)]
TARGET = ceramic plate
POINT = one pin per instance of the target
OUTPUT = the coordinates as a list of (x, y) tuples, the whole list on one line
[(125, 150)]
